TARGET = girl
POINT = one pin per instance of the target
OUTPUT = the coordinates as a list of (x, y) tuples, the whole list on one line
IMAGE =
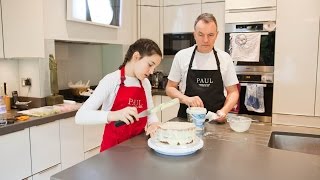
[(123, 94)]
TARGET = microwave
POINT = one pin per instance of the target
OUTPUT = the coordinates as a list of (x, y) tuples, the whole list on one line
[(172, 43)]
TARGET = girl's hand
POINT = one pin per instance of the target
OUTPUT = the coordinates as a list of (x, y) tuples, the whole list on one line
[(152, 128), (127, 115)]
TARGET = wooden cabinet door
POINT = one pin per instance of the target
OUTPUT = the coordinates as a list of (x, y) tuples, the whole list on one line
[(71, 138), (217, 9), (15, 160), (295, 68), (45, 146)]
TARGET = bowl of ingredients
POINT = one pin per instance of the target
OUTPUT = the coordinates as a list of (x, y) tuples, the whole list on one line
[(239, 123)]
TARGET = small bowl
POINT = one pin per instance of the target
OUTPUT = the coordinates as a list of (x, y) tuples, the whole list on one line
[(239, 123)]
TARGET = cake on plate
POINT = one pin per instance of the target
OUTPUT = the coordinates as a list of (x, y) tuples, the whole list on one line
[(176, 133)]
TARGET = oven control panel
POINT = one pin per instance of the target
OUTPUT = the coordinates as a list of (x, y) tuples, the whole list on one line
[(257, 78)]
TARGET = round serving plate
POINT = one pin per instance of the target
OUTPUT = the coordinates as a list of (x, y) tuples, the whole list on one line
[(175, 150)]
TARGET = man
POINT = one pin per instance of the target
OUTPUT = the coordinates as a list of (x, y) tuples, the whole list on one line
[(202, 72)]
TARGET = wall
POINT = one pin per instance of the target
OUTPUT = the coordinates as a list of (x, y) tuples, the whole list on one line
[(78, 62), (112, 57), (57, 27), (13, 70)]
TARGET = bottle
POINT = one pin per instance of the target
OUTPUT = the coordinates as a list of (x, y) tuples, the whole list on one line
[(6, 98)]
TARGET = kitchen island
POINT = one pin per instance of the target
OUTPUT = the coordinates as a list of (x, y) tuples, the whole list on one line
[(225, 155)]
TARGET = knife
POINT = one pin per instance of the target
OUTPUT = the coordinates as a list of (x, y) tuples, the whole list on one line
[(146, 112)]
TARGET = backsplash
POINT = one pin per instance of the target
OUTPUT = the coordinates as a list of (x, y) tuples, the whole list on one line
[(13, 70), (78, 62)]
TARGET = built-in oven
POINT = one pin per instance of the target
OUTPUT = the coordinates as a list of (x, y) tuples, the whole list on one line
[(266, 81), (172, 43), (241, 31), (256, 71)]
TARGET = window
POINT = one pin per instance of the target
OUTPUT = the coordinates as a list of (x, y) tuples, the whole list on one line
[(99, 12)]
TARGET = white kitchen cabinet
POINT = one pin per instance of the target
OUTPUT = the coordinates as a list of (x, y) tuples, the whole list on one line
[(71, 139), (157, 101), (45, 146), (170, 112), (217, 9), (179, 19), (92, 152), (22, 23), (47, 173), (208, 1), (250, 11), (295, 71), (149, 2), (149, 23), (317, 106), (15, 161), (1, 37), (92, 136), (180, 2), (249, 4)]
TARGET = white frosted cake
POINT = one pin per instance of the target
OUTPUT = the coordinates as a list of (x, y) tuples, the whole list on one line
[(176, 133)]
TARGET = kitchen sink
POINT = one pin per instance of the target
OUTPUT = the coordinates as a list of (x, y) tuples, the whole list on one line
[(304, 143)]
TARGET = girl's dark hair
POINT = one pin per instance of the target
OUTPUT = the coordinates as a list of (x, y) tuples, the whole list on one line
[(146, 47)]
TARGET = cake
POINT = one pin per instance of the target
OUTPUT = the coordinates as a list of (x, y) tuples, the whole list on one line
[(176, 133)]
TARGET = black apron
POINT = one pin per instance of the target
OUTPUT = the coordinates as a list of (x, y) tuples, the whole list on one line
[(207, 84)]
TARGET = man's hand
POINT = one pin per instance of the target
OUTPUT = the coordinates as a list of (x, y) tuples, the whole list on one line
[(221, 116), (194, 101)]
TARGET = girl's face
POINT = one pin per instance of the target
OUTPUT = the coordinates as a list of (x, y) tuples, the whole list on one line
[(145, 66)]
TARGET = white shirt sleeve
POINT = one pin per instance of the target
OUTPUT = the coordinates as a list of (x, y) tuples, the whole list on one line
[(89, 112), (229, 75), (175, 71), (104, 95)]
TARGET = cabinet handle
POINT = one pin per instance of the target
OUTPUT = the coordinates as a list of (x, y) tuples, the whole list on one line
[(45, 170), (93, 149)]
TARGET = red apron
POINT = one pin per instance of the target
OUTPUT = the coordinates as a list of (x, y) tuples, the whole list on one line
[(126, 96)]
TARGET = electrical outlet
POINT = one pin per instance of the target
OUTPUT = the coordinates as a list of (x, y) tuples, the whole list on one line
[(26, 82)]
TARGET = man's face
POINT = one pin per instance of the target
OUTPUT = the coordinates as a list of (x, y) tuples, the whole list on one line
[(205, 35)]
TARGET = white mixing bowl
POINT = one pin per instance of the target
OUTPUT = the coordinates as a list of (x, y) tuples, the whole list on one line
[(239, 123)]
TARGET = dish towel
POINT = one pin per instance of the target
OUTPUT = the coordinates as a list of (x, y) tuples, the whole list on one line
[(245, 46), (254, 99)]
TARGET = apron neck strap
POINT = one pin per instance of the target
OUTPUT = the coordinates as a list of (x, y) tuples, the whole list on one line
[(122, 76)]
